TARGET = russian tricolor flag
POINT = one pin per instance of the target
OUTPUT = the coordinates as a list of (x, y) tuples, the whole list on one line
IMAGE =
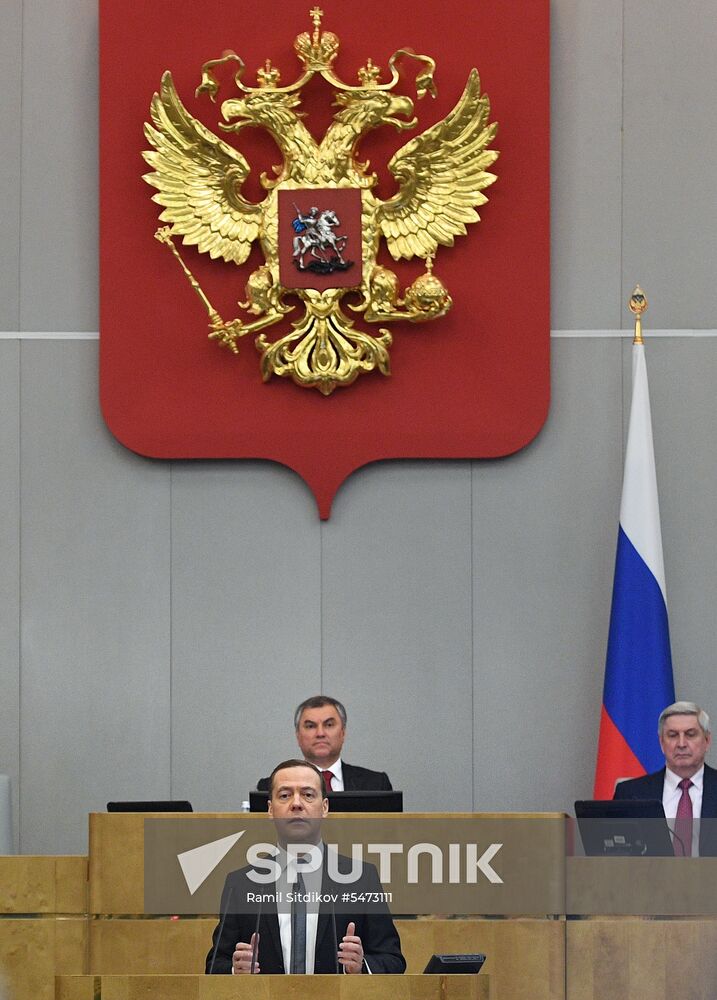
[(638, 668)]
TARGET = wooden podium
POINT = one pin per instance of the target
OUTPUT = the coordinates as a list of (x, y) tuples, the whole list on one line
[(84, 923), (272, 988), (526, 955), (82, 920)]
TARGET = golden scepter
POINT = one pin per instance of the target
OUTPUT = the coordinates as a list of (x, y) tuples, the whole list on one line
[(225, 333)]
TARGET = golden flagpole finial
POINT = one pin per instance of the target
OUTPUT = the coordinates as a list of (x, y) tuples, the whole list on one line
[(637, 306)]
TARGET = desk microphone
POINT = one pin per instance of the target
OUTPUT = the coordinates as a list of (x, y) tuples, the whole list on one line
[(221, 930), (676, 837), (255, 946), (336, 937)]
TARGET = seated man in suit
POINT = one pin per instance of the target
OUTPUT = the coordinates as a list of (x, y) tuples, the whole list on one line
[(320, 724), (310, 935), (687, 787)]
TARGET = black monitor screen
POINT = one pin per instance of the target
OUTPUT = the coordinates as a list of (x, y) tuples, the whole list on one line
[(383, 801), (624, 827), (180, 806)]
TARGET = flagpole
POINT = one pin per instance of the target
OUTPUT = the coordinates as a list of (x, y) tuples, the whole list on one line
[(638, 663)]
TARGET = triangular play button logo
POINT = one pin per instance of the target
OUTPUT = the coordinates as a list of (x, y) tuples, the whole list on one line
[(199, 863)]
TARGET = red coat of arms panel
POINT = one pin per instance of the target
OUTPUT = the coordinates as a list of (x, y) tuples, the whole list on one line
[(351, 212)]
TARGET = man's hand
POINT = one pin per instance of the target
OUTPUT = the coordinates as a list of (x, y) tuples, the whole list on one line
[(241, 959), (351, 951)]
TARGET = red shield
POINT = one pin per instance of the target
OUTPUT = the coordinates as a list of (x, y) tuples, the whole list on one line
[(320, 238), (472, 384)]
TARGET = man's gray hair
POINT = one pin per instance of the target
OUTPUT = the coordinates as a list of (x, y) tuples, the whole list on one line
[(684, 708), (318, 701)]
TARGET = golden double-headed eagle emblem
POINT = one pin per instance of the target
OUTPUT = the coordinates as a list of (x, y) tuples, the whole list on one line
[(320, 224)]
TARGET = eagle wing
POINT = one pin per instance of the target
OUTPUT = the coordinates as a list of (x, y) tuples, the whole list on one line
[(198, 179), (442, 173)]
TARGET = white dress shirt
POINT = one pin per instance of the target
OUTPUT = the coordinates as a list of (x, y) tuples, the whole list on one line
[(337, 780), (671, 795)]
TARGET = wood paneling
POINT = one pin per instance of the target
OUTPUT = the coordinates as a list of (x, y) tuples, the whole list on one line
[(641, 959), (34, 950), (526, 958), (276, 988), (43, 884)]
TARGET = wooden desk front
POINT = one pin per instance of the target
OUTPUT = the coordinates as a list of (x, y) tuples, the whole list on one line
[(272, 988)]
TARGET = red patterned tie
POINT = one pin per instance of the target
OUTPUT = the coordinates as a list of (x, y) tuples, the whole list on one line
[(327, 776), (683, 822)]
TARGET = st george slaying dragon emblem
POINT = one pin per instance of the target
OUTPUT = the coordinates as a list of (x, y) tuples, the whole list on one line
[(320, 224), (315, 235)]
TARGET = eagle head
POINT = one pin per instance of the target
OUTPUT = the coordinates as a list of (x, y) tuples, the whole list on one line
[(369, 107)]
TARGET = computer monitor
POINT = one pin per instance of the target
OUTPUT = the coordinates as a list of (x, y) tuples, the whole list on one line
[(160, 806), (378, 801), (624, 828)]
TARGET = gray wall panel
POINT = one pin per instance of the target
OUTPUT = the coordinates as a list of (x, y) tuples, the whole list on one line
[(670, 121), (59, 260), (544, 530), (586, 99), (10, 569), (397, 624), (95, 606), (245, 623), (682, 376), (10, 153)]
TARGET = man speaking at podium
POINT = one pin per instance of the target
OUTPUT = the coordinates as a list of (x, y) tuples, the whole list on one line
[(296, 926), (320, 725)]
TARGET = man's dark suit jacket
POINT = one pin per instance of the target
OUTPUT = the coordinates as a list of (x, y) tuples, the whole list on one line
[(356, 779), (379, 937), (650, 787)]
